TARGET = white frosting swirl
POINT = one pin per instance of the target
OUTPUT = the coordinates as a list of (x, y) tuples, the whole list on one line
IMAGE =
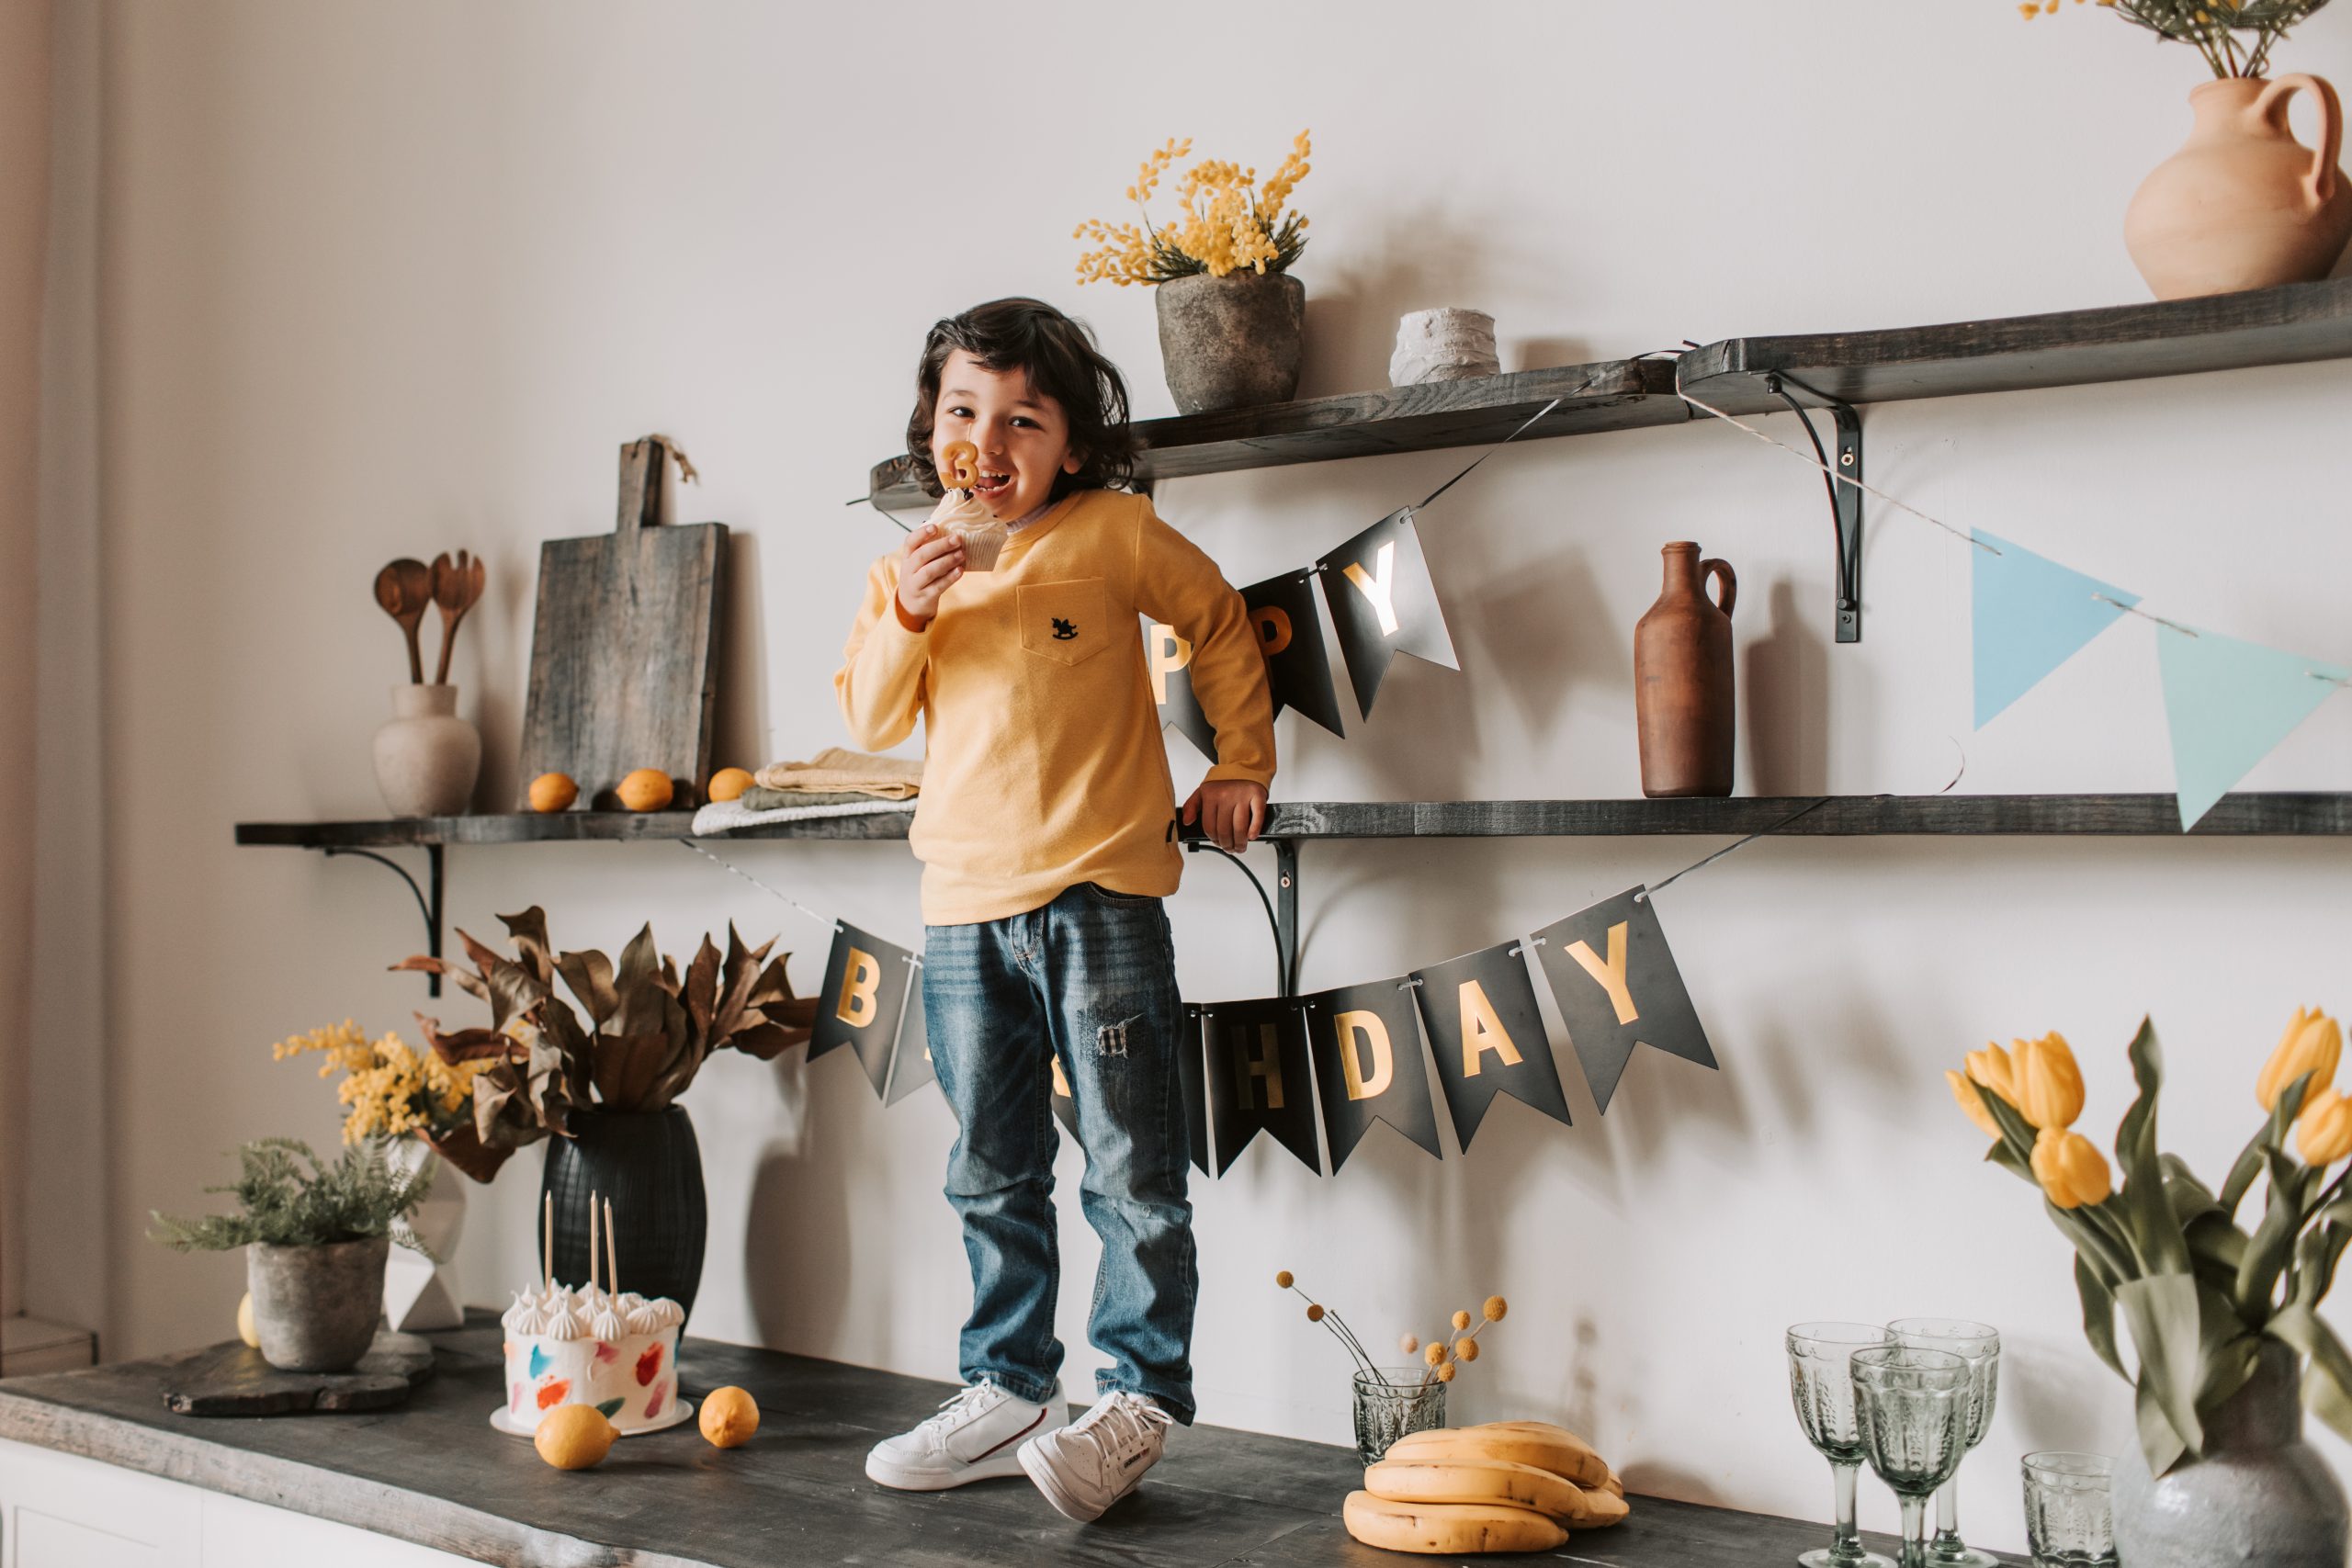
[(655, 1316), (562, 1313)]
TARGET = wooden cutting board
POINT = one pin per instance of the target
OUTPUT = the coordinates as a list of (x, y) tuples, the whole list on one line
[(625, 647)]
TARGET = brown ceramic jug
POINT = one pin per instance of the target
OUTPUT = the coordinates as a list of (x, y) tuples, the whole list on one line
[(1682, 679), (2242, 204)]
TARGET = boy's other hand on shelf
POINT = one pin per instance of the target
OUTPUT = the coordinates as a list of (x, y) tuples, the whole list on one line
[(1231, 812), (928, 567)]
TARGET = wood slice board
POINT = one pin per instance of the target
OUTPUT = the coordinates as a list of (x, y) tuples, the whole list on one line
[(233, 1380), (625, 647)]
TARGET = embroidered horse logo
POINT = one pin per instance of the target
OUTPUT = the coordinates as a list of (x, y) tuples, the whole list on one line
[(1063, 630)]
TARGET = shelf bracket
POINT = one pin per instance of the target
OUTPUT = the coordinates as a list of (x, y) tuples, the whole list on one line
[(1282, 910), (1845, 499), (429, 906)]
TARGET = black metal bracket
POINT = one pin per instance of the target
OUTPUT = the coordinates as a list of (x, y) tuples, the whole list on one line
[(1282, 910), (1845, 499), (427, 906)]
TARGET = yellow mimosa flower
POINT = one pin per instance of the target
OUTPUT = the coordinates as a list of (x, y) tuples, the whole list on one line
[(2313, 1043)]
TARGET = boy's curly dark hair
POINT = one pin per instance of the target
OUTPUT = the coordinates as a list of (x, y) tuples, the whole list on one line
[(1062, 363)]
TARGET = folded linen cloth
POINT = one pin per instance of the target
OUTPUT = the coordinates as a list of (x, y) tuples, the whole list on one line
[(838, 771), (758, 799), (725, 815)]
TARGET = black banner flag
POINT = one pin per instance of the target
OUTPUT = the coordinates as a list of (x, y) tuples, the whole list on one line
[(1170, 658), (911, 1066), (1298, 667), (1367, 1054), (1618, 987), (1382, 604), (1487, 1035), (1258, 1077), (863, 997)]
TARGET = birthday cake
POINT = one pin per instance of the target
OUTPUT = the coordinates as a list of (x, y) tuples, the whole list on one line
[(618, 1353)]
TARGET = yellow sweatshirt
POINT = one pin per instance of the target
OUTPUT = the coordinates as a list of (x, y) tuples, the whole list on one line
[(1043, 765)]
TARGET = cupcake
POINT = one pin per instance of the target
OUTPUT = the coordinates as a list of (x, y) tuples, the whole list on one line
[(978, 527)]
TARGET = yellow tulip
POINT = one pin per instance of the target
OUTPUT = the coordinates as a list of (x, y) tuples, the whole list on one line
[(1992, 1069), (2071, 1169), (2313, 1043), (2050, 1085), (2323, 1135), (1965, 1091)]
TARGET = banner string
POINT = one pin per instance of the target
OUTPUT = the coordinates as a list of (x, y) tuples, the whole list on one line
[(2135, 610), (827, 923), (1647, 889)]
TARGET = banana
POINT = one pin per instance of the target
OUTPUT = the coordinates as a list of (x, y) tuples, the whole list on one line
[(1474, 1481), (1546, 1447), (1448, 1528), (1614, 1485)]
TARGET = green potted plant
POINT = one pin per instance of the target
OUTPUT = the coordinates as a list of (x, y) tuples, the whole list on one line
[(2242, 204), (1232, 317), (315, 1236), (2228, 1347), (607, 1090)]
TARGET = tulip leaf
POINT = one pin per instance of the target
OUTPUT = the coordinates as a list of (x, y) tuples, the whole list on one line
[(2155, 1228), (2274, 1239), (2273, 1135), (2165, 1322), (2327, 1386), (2228, 1367), (2216, 1247), (2108, 1258), (2008, 1159), (2098, 1314), (2159, 1444), (2316, 1256), (2017, 1132)]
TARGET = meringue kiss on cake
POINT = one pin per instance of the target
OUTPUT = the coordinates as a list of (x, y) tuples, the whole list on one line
[(613, 1349)]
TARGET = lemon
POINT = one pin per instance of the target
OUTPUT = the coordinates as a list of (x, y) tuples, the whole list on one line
[(728, 783), (245, 1330), (730, 1417), (553, 791), (648, 789), (574, 1437)]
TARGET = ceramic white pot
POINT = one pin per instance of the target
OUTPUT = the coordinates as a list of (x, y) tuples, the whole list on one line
[(426, 756), (419, 1293)]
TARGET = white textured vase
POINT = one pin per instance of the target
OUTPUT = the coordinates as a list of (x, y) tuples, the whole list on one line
[(426, 756), (1447, 345), (419, 1293)]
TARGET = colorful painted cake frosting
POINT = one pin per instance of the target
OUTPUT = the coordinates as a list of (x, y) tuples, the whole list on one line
[(618, 1353)]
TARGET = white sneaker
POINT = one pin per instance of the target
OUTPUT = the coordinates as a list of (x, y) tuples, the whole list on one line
[(972, 1438), (1085, 1466)]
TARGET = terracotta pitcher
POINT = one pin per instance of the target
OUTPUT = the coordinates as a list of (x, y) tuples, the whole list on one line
[(2244, 205), (1682, 679)]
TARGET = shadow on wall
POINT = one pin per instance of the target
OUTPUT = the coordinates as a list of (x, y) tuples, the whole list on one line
[(797, 1241), (1784, 690), (738, 737)]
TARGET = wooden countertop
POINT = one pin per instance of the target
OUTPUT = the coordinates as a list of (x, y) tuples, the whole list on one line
[(436, 1473)]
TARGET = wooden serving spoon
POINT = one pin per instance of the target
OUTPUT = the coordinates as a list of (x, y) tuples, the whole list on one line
[(456, 589), (404, 588)]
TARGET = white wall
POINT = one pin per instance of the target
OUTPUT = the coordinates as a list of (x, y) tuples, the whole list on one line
[(386, 280)]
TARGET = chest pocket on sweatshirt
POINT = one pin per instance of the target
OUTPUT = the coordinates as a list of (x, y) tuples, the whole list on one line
[(1066, 621)]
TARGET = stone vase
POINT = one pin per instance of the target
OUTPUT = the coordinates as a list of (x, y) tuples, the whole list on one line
[(1231, 341), (426, 756), (1684, 699), (649, 1167), (421, 1294), (2261, 1495), (315, 1308), (2242, 204)]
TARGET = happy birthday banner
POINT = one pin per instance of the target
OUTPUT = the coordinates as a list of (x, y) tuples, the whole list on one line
[(1339, 1061)]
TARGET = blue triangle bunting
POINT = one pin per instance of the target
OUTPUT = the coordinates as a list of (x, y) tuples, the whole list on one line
[(2227, 704), (2029, 616)]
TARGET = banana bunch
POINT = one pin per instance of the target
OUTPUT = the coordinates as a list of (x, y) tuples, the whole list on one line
[(1508, 1486)]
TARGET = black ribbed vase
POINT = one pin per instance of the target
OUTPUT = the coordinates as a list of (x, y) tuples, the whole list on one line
[(649, 1167)]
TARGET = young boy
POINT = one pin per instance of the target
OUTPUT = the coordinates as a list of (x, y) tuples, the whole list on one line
[(1048, 829)]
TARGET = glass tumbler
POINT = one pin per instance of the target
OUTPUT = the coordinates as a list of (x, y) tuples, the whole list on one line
[(1821, 1384), (2069, 1519), (1980, 1347), (1913, 1407), (1391, 1402)]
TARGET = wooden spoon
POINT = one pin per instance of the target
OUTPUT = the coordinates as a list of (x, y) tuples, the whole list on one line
[(456, 588), (404, 588)]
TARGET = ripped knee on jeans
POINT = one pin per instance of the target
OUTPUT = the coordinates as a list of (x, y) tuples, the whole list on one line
[(1110, 1040)]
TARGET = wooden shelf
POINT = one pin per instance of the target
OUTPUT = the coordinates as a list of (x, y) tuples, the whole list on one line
[(1860, 815), (2290, 325)]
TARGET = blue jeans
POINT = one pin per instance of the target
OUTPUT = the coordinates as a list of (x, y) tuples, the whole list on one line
[(1089, 981)]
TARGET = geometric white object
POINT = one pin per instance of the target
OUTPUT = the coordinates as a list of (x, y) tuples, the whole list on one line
[(420, 1295)]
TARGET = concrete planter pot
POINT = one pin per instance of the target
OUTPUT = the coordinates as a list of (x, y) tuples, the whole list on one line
[(1232, 342), (2261, 1495), (315, 1308)]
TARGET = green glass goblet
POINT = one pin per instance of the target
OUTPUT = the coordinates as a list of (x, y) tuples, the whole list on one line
[(1980, 1347), (1913, 1409), (1821, 1384)]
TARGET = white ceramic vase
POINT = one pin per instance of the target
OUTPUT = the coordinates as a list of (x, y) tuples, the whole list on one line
[(426, 756), (419, 1293)]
